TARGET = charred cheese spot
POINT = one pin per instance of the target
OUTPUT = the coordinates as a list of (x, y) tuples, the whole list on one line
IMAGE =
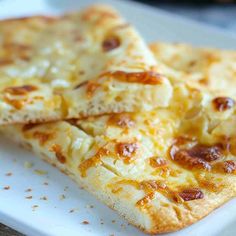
[(229, 166), (191, 194), (110, 43), (93, 161), (148, 77), (198, 156), (42, 136), (223, 103), (126, 151), (20, 90), (208, 153), (121, 120), (58, 152)]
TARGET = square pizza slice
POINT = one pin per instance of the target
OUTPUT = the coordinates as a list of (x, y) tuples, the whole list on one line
[(162, 170), (72, 66)]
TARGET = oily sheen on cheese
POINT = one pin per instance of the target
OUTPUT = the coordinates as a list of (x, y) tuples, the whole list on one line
[(162, 170), (76, 65)]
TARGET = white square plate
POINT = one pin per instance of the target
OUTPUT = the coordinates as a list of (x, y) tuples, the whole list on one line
[(67, 206)]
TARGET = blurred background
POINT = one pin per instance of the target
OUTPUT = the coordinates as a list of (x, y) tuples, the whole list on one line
[(221, 13)]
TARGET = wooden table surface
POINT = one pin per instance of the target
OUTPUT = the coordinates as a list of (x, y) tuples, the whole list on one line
[(217, 15)]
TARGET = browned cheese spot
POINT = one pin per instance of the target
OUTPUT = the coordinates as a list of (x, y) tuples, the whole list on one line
[(229, 166), (20, 90), (110, 43), (126, 151), (93, 161), (121, 120), (223, 103), (198, 156), (145, 200), (150, 187), (15, 50), (92, 86), (28, 127), (191, 194), (58, 152), (5, 62), (16, 103), (157, 162), (147, 77), (43, 137)]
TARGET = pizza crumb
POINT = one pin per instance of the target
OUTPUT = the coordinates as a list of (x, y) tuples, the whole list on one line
[(66, 188), (113, 221), (6, 188), (62, 197), (112, 235), (85, 222), (73, 210), (29, 197), (28, 190), (8, 174), (28, 165), (43, 198), (122, 226), (45, 183), (40, 172), (34, 207)]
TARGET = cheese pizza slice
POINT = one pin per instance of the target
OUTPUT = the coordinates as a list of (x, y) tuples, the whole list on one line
[(76, 65), (162, 170)]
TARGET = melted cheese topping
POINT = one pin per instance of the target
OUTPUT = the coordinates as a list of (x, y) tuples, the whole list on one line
[(173, 155), (58, 55), (210, 69)]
